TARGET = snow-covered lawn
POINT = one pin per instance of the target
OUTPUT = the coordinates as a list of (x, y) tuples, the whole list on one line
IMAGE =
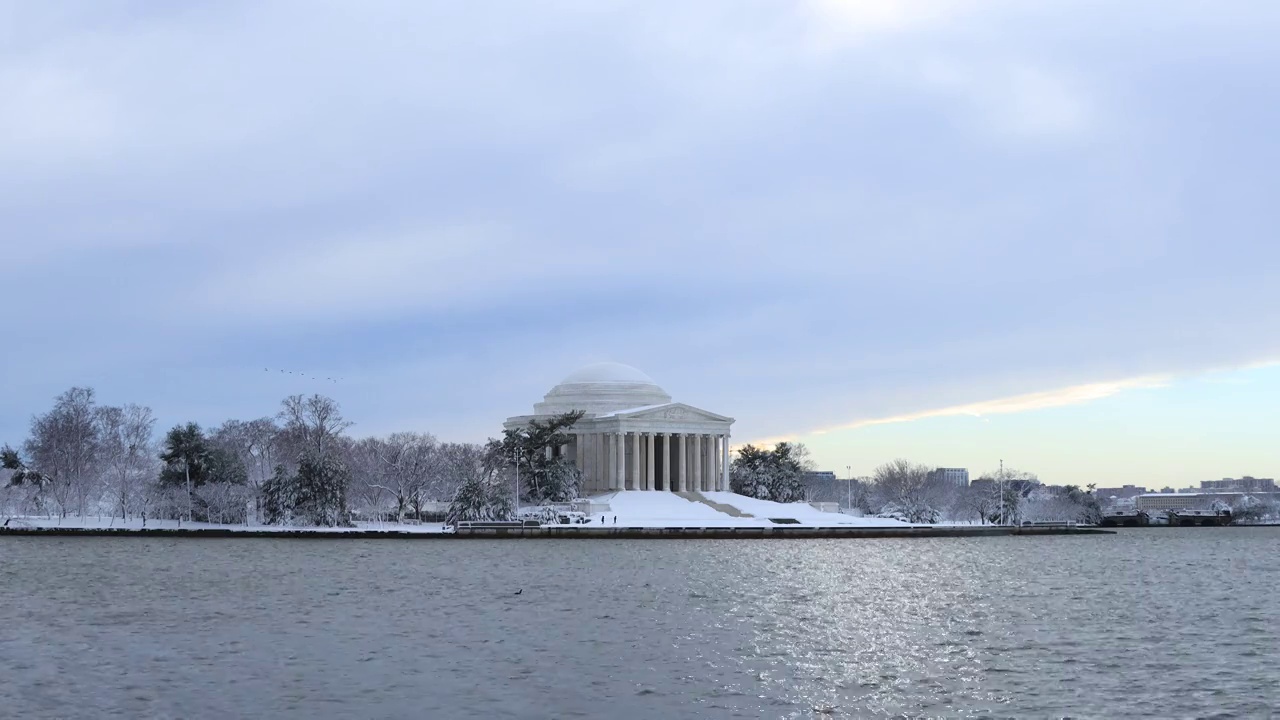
[(635, 508), (97, 523), (662, 509), (805, 513), (631, 508)]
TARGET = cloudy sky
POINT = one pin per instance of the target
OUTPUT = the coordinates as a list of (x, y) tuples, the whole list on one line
[(954, 230)]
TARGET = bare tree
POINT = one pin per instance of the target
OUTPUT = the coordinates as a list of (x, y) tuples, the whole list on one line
[(979, 501), (910, 489), (311, 425), (254, 445), (63, 447), (223, 502), (127, 455), (479, 477), (457, 462)]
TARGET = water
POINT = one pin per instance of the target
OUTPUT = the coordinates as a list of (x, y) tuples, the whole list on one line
[(1157, 622)]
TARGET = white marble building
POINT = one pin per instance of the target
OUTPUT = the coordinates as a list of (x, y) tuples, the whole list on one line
[(633, 437)]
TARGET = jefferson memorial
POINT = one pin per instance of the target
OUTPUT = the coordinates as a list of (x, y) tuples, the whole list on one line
[(633, 437)]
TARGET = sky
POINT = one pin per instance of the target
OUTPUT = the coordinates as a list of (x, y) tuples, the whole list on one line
[(957, 231)]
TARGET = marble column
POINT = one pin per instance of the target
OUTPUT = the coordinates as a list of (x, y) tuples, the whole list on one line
[(682, 482), (713, 462), (698, 461), (620, 461), (611, 440), (602, 461), (724, 463), (648, 455), (597, 459), (635, 462), (577, 450), (666, 462), (584, 460), (716, 455)]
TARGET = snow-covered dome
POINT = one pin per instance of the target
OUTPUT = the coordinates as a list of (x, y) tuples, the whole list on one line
[(607, 372), (602, 388)]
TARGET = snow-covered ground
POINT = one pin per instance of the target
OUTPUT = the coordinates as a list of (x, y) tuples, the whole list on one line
[(803, 512), (97, 523), (631, 508), (662, 509)]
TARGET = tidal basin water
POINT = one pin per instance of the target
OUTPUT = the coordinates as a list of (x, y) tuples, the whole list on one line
[(1156, 622)]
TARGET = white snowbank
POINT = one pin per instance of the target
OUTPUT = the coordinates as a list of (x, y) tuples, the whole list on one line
[(805, 513), (635, 508)]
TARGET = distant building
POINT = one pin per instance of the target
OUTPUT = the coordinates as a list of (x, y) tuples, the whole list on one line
[(1245, 484), (958, 477), (818, 476), (1120, 493), (824, 486), (1176, 501)]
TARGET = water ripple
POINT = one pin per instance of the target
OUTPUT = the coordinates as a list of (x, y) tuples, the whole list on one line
[(1143, 623)]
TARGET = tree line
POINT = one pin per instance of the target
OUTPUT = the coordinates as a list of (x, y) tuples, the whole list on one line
[(909, 491), (301, 467), (297, 467)]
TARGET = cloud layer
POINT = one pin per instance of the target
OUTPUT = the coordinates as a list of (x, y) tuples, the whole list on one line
[(805, 216)]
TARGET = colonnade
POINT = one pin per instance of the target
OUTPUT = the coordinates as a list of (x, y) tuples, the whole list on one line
[(677, 462)]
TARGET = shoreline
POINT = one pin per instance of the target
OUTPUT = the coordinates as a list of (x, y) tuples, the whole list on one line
[(560, 532)]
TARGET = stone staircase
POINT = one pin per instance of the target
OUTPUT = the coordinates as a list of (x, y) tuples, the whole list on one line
[(694, 496)]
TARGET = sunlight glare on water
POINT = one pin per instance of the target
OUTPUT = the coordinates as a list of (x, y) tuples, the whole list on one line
[(1113, 626)]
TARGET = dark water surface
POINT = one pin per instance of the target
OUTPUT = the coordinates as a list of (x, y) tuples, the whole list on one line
[(1158, 623)]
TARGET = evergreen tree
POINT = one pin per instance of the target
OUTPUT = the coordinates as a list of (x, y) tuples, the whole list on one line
[(185, 456), (315, 495), (544, 477), (278, 497), (479, 498), (770, 474)]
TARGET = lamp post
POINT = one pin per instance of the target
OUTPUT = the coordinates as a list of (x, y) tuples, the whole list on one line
[(1001, 486), (516, 454), (848, 487)]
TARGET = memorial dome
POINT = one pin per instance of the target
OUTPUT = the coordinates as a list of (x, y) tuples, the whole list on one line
[(602, 388)]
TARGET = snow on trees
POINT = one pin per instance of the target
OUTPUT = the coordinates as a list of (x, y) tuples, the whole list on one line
[(127, 457), (775, 474), (401, 466), (482, 494), (201, 471), (1058, 503), (311, 486), (911, 492), (544, 476), (312, 426), (315, 494), (81, 458), (1009, 488), (63, 449)]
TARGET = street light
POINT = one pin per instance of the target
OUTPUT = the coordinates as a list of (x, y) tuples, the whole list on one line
[(516, 453), (848, 487), (1001, 485)]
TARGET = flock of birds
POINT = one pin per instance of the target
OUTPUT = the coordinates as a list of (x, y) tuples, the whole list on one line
[(304, 375)]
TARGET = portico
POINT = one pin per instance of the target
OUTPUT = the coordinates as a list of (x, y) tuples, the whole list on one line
[(634, 437)]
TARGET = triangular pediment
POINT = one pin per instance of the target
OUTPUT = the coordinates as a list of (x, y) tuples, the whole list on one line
[(675, 412)]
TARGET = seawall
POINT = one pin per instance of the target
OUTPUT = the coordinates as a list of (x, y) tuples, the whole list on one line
[(570, 532)]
